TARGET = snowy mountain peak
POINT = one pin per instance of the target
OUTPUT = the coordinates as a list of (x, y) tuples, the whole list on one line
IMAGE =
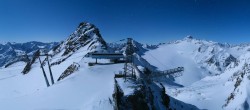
[(85, 24), (189, 37), (210, 68), (86, 35)]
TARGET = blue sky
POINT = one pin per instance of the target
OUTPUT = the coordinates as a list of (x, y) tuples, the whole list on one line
[(148, 21)]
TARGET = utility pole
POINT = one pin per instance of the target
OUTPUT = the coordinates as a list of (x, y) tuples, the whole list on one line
[(44, 74), (51, 75)]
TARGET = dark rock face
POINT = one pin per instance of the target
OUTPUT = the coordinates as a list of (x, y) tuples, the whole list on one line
[(71, 69), (27, 68), (229, 60)]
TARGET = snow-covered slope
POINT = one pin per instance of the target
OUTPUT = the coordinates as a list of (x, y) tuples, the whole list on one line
[(87, 88), (86, 35), (215, 75)]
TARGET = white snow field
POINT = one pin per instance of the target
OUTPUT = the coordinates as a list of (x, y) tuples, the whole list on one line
[(89, 88), (204, 85), (215, 76)]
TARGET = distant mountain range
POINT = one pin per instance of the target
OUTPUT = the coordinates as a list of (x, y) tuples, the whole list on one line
[(216, 76), (11, 51)]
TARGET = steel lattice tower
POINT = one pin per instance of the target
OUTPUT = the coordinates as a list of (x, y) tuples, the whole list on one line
[(128, 67)]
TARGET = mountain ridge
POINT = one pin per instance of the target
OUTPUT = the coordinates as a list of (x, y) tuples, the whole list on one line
[(11, 50), (210, 68)]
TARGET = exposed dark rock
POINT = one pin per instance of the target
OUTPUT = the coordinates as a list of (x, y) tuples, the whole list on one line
[(27, 68), (229, 60), (71, 69)]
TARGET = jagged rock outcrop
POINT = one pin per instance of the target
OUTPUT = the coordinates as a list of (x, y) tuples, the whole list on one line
[(229, 60), (71, 69), (27, 68), (86, 35)]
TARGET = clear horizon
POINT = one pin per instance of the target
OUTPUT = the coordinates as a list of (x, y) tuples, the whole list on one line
[(146, 21)]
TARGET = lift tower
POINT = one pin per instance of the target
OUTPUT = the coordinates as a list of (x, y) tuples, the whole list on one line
[(128, 66)]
